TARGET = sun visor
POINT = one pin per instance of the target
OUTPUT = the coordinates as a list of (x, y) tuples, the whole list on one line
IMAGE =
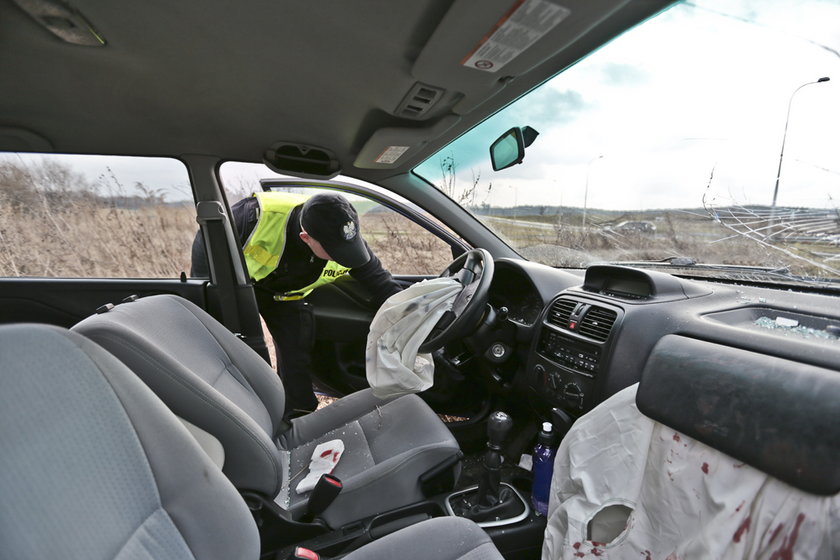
[(392, 147), (478, 47)]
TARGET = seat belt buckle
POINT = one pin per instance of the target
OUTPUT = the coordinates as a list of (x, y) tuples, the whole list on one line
[(305, 554), (325, 492)]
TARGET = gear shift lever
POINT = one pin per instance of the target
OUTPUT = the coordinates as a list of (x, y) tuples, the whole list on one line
[(490, 501), (498, 427)]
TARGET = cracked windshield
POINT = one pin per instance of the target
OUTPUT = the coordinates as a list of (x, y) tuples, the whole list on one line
[(704, 141)]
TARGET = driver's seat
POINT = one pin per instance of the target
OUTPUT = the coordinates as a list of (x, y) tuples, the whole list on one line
[(393, 448)]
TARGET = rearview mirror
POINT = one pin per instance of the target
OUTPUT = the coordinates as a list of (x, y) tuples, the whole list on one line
[(509, 148)]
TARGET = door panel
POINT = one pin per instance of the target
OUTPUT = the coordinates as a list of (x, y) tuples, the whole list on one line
[(64, 302), (342, 321), (343, 314)]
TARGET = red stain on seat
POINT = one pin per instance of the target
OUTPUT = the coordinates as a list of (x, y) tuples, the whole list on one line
[(705, 468)]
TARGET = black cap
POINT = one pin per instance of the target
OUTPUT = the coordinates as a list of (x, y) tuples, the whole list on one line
[(333, 222)]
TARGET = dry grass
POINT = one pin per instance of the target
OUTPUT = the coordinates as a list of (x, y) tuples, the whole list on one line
[(54, 223), (403, 246), (88, 240), (678, 233)]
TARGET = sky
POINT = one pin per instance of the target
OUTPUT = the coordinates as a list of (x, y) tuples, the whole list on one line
[(694, 93)]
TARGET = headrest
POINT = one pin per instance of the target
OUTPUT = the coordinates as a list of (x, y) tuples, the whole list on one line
[(777, 415)]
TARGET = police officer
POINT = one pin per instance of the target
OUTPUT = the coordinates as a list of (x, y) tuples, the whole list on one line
[(292, 244)]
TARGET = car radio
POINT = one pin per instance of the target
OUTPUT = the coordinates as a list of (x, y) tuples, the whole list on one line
[(578, 356)]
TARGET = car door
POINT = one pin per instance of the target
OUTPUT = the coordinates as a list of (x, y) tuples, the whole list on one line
[(81, 232), (413, 246)]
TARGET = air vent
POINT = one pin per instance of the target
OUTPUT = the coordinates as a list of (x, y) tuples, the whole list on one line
[(583, 318), (561, 312), (419, 100), (597, 323)]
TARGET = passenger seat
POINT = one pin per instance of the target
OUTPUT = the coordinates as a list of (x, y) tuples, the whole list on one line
[(94, 465), (211, 379)]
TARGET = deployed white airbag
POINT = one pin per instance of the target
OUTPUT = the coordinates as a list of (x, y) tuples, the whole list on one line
[(685, 500), (392, 363)]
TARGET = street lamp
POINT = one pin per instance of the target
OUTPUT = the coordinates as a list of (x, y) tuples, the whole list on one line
[(586, 187), (784, 136), (515, 199)]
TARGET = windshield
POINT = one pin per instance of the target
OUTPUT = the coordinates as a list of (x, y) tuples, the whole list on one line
[(710, 134)]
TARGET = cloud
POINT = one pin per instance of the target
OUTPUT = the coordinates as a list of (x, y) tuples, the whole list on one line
[(620, 74), (549, 104)]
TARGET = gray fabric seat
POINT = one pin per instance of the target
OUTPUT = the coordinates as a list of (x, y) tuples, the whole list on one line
[(210, 378), (94, 466)]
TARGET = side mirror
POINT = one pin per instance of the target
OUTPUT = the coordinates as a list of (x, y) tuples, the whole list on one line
[(509, 148)]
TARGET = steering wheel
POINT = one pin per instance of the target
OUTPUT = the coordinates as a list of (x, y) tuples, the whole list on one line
[(474, 270)]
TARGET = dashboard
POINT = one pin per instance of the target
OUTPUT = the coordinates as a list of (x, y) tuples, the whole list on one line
[(575, 338)]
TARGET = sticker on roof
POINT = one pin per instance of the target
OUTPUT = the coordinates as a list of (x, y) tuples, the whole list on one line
[(525, 23)]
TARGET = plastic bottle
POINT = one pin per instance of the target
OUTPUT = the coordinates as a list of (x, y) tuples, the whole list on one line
[(542, 468)]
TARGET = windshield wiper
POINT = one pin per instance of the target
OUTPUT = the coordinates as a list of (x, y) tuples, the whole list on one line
[(687, 265), (689, 262)]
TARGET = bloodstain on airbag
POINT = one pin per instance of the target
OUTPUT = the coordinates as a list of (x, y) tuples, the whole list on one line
[(743, 528)]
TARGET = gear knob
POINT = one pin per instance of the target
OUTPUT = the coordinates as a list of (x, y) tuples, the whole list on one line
[(498, 428)]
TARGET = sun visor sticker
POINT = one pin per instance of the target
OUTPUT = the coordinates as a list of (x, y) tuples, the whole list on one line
[(776, 415), (524, 24), (392, 154)]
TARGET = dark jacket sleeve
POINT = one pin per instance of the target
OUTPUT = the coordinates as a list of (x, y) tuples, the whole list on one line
[(244, 217), (376, 279)]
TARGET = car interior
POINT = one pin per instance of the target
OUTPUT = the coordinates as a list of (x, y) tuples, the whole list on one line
[(692, 405)]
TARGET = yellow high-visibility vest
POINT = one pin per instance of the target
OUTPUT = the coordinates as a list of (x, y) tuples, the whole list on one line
[(267, 241)]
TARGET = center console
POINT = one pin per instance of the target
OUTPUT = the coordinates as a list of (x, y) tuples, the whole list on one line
[(491, 503), (570, 351), (499, 503)]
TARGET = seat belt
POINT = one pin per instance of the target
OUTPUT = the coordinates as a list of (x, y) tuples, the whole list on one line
[(234, 296)]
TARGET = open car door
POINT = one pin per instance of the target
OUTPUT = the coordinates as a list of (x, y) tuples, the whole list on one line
[(413, 246)]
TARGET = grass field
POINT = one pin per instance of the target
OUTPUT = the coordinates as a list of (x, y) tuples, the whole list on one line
[(54, 223), (561, 240)]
